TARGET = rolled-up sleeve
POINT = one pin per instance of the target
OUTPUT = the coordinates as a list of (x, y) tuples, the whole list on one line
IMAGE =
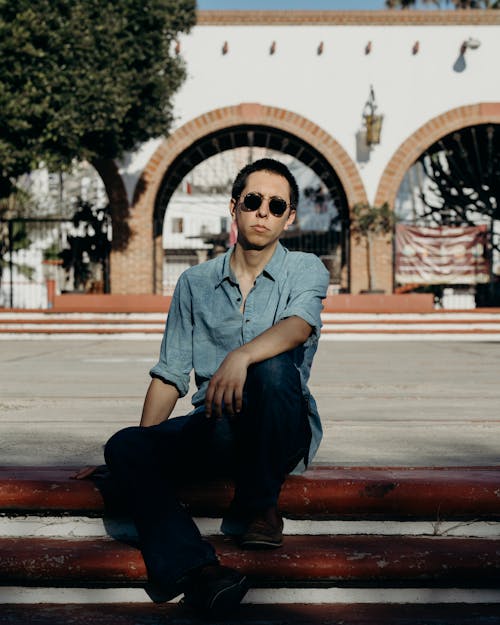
[(176, 353), (308, 290)]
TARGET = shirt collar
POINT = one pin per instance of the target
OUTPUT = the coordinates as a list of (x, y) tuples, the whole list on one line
[(271, 269), (224, 268), (274, 265)]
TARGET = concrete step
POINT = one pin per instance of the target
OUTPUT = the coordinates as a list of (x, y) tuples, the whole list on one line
[(322, 492), (297, 614), (335, 325)]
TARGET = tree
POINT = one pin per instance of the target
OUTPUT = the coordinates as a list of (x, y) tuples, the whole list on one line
[(367, 222), (459, 4), (13, 234), (85, 79)]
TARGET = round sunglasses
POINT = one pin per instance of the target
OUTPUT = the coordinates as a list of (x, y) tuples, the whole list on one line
[(253, 201)]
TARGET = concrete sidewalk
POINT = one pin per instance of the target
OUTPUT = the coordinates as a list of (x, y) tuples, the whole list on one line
[(413, 403)]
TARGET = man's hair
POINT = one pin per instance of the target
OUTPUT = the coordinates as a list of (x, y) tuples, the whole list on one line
[(273, 166)]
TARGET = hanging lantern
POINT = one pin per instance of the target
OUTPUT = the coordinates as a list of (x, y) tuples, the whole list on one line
[(372, 121)]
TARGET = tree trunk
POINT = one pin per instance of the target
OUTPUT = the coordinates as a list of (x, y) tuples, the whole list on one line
[(369, 260), (119, 206)]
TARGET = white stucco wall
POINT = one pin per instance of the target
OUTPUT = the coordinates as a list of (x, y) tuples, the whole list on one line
[(331, 89)]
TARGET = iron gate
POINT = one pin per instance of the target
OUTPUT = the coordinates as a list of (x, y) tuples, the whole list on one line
[(30, 267)]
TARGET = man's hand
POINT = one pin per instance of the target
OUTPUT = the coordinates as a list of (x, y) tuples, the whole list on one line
[(86, 472), (226, 385)]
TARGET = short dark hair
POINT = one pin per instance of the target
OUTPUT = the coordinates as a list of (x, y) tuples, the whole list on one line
[(273, 166)]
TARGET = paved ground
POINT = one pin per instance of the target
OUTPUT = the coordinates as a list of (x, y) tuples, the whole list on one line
[(382, 403)]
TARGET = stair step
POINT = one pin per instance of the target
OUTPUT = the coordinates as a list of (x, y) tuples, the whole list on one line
[(58, 320), (322, 492), (297, 614), (315, 560), (401, 579), (326, 330), (451, 324), (269, 595), (97, 329), (123, 528)]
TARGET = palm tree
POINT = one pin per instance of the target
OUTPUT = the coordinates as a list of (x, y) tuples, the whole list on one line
[(91, 245)]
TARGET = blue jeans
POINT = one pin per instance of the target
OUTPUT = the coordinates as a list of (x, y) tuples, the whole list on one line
[(257, 448)]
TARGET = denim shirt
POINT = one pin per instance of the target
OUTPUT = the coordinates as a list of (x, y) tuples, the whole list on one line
[(205, 322)]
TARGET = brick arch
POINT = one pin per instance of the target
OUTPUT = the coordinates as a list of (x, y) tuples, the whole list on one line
[(424, 137), (132, 269), (256, 114)]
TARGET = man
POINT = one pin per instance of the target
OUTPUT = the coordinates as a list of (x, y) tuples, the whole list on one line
[(247, 323)]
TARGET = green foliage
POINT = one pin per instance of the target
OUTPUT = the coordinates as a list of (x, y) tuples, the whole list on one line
[(13, 238), (91, 245), (85, 79), (367, 219), (20, 238), (52, 252), (17, 203)]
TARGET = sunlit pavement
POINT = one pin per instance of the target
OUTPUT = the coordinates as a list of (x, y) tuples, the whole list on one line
[(416, 403)]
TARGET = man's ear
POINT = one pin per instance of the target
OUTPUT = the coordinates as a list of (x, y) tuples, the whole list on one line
[(232, 207), (291, 219)]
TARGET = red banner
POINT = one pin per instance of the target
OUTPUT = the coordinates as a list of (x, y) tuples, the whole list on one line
[(443, 255)]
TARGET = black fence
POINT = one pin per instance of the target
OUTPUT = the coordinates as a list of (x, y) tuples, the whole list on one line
[(32, 272), (331, 246), (31, 269)]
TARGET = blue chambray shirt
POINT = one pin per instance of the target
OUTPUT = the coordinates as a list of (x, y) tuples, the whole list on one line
[(205, 322)]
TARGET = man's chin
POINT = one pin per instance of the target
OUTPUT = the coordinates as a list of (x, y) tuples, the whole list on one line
[(252, 245), (256, 243)]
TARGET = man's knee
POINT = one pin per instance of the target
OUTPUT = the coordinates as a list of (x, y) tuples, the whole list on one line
[(275, 375), (123, 445)]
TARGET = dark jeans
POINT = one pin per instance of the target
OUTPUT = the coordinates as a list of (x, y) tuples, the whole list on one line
[(257, 448)]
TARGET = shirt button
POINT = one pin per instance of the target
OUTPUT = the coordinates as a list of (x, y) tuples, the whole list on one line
[(247, 320), (238, 299)]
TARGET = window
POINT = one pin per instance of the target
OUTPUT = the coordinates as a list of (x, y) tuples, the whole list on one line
[(177, 225)]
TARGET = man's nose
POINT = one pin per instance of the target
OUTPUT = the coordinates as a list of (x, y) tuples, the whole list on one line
[(263, 210)]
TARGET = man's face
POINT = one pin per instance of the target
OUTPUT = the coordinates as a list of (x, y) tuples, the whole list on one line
[(259, 228)]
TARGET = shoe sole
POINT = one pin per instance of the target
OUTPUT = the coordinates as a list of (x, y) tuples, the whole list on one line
[(261, 544), (227, 599)]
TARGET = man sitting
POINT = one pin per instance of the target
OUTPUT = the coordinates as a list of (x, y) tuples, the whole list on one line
[(247, 323)]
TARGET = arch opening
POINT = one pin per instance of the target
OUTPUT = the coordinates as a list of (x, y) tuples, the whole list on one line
[(447, 206), (323, 214)]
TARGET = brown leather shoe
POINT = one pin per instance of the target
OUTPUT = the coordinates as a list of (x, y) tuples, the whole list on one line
[(265, 531)]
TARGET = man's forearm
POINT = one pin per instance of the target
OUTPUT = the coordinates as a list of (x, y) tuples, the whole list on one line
[(226, 385), (159, 402), (282, 337)]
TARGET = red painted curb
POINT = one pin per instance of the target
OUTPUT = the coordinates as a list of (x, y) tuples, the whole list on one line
[(321, 492), (363, 560)]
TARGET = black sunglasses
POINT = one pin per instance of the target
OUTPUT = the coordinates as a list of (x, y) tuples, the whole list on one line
[(252, 202)]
